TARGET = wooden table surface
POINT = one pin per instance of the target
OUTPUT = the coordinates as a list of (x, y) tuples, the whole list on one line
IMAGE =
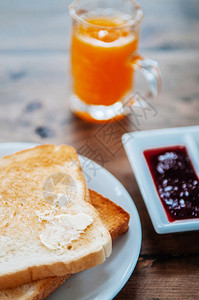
[(34, 44)]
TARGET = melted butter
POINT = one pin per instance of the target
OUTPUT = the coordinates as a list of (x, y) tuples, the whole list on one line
[(61, 230)]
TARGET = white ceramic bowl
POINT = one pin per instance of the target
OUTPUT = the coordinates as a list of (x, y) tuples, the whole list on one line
[(135, 143)]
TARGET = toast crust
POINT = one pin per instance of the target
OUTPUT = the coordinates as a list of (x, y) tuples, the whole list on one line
[(37, 290), (35, 273), (114, 217), (47, 287)]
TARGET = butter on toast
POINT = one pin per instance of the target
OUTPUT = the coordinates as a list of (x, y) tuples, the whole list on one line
[(39, 237), (113, 216)]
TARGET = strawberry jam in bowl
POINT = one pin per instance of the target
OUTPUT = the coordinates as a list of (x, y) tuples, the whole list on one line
[(165, 163), (176, 181)]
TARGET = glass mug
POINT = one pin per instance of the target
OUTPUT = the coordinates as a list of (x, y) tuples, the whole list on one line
[(104, 58)]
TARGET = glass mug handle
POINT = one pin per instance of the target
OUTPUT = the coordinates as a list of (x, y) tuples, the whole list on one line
[(151, 71)]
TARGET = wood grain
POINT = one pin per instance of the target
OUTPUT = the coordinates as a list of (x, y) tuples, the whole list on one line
[(34, 106), (163, 277)]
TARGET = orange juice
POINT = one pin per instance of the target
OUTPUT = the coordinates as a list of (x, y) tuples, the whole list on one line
[(100, 58)]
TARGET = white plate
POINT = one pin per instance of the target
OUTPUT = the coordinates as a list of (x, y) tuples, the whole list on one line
[(135, 143), (105, 281)]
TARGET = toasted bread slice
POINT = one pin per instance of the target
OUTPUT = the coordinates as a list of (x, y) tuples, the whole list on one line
[(36, 290), (47, 226), (113, 216)]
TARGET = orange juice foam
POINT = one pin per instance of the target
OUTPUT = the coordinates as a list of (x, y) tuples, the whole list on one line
[(100, 58)]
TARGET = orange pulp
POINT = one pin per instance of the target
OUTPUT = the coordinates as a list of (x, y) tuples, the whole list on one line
[(100, 58)]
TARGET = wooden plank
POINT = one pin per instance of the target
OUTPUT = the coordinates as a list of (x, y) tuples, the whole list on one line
[(34, 25), (25, 79), (44, 25), (163, 278)]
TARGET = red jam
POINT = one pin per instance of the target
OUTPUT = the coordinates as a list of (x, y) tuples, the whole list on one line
[(175, 180)]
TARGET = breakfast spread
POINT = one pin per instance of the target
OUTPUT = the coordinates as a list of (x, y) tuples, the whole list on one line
[(165, 164), (54, 228), (175, 180)]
